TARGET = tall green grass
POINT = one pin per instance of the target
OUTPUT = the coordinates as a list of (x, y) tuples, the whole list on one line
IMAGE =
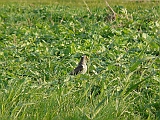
[(41, 44), (130, 4)]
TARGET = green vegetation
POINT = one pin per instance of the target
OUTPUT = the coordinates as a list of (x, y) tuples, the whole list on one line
[(41, 43)]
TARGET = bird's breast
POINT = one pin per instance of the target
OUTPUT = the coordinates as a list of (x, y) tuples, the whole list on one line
[(84, 69)]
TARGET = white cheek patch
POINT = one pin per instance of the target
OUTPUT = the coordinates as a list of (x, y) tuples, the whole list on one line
[(83, 66)]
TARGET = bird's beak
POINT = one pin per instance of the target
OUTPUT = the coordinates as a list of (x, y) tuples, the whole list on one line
[(87, 59)]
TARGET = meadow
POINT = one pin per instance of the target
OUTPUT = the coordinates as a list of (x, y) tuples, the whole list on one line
[(41, 43)]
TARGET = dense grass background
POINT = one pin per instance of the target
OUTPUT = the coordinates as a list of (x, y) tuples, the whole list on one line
[(41, 43), (91, 3)]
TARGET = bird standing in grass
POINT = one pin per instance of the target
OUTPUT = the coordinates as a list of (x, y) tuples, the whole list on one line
[(82, 66)]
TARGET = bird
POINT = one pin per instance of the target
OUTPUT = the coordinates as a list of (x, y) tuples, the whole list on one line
[(82, 66)]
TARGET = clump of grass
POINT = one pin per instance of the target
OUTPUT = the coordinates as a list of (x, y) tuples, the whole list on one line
[(130, 4)]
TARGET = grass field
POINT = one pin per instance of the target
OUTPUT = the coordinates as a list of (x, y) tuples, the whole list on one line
[(41, 42)]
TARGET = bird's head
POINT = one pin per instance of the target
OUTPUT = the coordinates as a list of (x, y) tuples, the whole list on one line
[(84, 59)]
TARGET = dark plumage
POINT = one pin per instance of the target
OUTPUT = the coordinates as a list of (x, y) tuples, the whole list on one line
[(82, 66)]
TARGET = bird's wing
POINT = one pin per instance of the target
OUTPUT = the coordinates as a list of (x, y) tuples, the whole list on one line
[(78, 69)]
